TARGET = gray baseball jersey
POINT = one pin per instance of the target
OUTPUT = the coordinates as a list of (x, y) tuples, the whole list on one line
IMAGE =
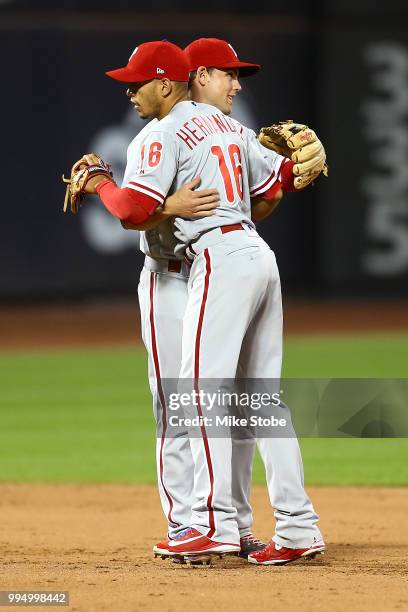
[(198, 140)]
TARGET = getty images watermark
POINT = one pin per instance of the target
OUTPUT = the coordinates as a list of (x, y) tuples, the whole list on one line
[(206, 401), (223, 408), (247, 408)]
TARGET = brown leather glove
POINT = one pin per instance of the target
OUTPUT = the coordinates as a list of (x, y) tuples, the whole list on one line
[(81, 174)]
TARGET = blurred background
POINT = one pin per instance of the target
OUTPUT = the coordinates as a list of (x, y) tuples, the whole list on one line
[(342, 246), (342, 68)]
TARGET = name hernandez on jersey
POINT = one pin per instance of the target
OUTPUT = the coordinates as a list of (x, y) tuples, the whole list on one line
[(198, 140)]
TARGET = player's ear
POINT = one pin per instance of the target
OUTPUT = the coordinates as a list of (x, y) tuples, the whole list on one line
[(166, 87), (202, 75)]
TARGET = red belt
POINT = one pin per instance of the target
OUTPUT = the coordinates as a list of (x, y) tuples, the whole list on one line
[(174, 265), (231, 228), (224, 230)]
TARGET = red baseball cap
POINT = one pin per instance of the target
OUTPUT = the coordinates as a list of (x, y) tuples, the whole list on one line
[(153, 60), (217, 53)]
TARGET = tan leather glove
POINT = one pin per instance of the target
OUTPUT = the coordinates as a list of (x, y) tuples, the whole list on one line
[(300, 144)]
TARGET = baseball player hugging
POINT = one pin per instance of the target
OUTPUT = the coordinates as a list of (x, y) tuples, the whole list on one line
[(209, 292)]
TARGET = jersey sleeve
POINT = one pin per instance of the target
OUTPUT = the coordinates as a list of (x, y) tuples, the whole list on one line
[(265, 166), (152, 165), (126, 204)]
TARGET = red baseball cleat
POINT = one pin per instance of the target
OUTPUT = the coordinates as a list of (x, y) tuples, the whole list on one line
[(250, 544), (161, 549), (192, 542), (274, 554)]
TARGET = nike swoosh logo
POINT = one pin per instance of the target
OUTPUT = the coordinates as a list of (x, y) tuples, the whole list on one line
[(175, 543)]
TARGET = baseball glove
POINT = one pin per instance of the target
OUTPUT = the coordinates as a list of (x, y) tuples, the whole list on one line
[(81, 174), (301, 145)]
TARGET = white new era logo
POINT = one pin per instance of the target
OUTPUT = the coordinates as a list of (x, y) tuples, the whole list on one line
[(159, 71)]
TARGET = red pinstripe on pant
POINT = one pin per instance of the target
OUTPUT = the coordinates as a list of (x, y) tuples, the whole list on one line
[(196, 387)]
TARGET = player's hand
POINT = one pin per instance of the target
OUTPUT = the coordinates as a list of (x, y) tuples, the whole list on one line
[(186, 202), (91, 159)]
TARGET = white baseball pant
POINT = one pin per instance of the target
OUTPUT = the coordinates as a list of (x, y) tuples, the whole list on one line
[(233, 325), (162, 298)]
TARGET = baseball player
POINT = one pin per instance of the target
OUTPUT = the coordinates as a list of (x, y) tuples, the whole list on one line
[(213, 513), (166, 302), (212, 72)]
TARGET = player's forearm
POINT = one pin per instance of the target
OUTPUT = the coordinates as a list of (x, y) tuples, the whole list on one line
[(158, 217), (161, 214), (262, 208), (126, 204)]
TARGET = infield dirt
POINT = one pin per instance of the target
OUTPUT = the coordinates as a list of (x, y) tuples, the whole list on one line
[(95, 542)]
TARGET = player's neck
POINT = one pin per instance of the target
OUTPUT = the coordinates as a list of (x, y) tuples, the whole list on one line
[(170, 102)]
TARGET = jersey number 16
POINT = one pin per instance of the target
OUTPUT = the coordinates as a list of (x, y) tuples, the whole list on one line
[(234, 155)]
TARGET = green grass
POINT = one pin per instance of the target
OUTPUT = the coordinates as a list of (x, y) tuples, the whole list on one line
[(376, 356), (76, 416), (333, 461), (85, 416)]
